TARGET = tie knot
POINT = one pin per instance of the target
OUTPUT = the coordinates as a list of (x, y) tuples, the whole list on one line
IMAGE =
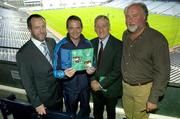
[(43, 44)]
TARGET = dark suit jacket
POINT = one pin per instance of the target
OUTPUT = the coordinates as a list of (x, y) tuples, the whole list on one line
[(110, 67), (37, 74)]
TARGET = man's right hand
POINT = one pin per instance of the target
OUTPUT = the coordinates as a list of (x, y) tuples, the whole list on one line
[(69, 72), (95, 85), (41, 110)]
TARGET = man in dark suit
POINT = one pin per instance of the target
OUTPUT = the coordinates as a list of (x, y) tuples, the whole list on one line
[(106, 82), (34, 60)]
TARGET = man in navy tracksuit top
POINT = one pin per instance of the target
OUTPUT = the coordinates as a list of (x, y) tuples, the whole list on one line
[(76, 84)]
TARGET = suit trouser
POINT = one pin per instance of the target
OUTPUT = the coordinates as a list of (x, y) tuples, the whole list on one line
[(71, 103), (134, 100), (100, 101), (58, 106)]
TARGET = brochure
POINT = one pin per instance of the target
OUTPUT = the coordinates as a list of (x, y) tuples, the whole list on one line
[(78, 59)]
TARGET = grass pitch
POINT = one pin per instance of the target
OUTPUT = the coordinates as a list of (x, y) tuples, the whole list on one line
[(56, 19)]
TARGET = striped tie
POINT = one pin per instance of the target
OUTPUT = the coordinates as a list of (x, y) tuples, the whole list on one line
[(46, 52)]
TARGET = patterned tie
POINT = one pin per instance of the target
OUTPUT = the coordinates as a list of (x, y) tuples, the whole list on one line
[(100, 54), (46, 52)]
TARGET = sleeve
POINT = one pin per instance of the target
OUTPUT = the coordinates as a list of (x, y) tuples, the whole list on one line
[(115, 74), (27, 78), (58, 73), (161, 68)]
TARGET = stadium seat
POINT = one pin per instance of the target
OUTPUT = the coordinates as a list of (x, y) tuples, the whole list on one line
[(24, 110), (18, 109)]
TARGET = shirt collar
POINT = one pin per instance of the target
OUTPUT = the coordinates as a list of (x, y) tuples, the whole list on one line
[(36, 42), (104, 41)]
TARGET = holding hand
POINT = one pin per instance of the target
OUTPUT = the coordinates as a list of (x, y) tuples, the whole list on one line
[(90, 70), (69, 72), (95, 85)]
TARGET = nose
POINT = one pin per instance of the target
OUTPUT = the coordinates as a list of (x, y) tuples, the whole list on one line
[(100, 30)]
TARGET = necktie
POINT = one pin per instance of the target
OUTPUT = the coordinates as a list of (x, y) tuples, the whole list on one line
[(46, 52), (100, 53)]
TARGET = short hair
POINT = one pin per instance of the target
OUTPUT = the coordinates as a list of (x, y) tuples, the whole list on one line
[(101, 17), (74, 17), (141, 5), (33, 16)]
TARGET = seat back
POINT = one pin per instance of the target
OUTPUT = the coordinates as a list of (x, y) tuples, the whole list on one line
[(19, 110)]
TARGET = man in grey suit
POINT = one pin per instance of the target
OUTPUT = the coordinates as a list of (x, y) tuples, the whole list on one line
[(106, 83), (34, 60)]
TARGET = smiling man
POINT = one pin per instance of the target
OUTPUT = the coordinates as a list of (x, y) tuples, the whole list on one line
[(43, 91), (106, 82), (145, 64), (76, 85)]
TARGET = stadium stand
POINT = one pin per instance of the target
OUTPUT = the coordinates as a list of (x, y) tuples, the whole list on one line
[(13, 34), (157, 7), (175, 69)]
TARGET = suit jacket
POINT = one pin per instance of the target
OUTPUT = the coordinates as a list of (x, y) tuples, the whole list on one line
[(110, 67), (37, 74)]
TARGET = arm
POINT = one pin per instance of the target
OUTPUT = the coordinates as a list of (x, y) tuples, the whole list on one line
[(161, 67), (58, 73), (27, 79)]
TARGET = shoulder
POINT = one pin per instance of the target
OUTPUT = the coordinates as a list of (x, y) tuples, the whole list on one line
[(60, 43), (25, 49), (115, 40), (88, 42), (94, 40), (51, 41), (26, 46), (156, 36)]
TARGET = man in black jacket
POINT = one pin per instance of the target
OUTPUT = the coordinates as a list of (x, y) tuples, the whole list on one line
[(106, 82), (34, 60)]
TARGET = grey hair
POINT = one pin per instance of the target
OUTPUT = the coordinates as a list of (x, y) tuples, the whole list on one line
[(141, 5), (102, 17)]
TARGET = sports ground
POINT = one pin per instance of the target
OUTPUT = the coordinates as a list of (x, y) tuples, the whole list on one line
[(56, 19)]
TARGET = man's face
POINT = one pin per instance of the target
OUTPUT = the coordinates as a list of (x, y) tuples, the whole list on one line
[(102, 28), (135, 18), (38, 29), (74, 29)]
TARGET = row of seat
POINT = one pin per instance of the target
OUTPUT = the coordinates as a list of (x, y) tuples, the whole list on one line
[(24, 110), (7, 54), (158, 7)]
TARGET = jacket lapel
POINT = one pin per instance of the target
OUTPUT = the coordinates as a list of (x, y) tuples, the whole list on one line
[(107, 49), (38, 54)]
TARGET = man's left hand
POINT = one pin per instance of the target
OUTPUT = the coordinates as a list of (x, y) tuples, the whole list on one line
[(151, 106)]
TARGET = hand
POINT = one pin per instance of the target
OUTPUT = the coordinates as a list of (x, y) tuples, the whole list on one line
[(151, 106), (69, 72), (90, 70), (95, 85), (41, 109)]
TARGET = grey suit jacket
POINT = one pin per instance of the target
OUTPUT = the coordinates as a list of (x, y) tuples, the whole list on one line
[(37, 74), (110, 67)]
